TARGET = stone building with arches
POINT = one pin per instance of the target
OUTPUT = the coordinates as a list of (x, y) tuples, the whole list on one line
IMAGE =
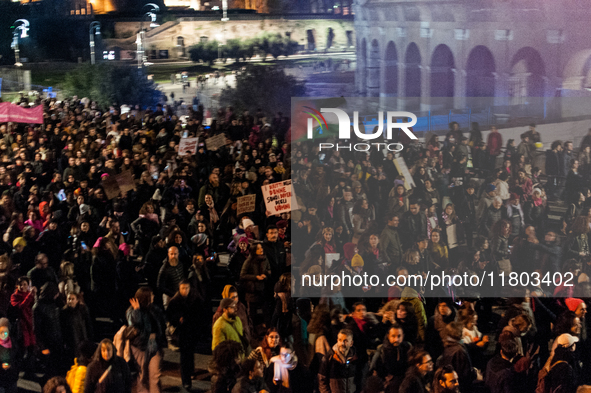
[(452, 54)]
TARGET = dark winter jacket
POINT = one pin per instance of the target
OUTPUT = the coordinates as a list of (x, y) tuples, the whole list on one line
[(336, 374), (118, 379)]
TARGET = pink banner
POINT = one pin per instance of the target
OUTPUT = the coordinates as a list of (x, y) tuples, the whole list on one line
[(18, 114)]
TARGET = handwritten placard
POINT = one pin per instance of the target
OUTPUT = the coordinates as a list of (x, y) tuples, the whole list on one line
[(188, 146), (114, 185), (215, 142), (246, 204), (279, 197)]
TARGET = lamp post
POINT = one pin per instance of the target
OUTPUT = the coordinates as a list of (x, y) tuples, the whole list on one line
[(23, 26), (152, 9), (224, 19), (95, 28)]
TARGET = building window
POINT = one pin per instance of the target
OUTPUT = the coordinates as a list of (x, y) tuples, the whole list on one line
[(180, 44)]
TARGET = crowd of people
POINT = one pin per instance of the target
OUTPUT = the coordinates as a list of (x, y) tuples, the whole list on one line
[(99, 276)]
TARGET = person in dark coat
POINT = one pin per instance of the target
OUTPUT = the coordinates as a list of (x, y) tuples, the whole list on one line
[(104, 279), (554, 169), (147, 345), (184, 313), (412, 224), (456, 355), (255, 276), (562, 377), (145, 228), (506, 372), (490, 216), (170, 276), (391, 359), (76, 325), (48, 330), (42, 273), (445, 313), (415, 380), (153, 261), (251, 380), (275, 252), (107, 373), (9, 358)]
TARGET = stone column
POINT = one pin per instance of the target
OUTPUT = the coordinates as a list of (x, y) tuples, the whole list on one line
[(401, 86), (501, 88), (459, 88), (425, 88)]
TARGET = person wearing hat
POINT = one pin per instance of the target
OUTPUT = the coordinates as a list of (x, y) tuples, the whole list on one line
[(231, 292), (229, 326), (561, 365)]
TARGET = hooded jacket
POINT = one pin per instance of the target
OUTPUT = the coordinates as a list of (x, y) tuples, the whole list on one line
[(225, 329)]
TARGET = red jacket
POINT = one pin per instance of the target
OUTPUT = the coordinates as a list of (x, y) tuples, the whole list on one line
[(494, 143), (24, 302)]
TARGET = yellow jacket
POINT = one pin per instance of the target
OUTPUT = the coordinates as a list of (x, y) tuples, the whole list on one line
[(76, 376)]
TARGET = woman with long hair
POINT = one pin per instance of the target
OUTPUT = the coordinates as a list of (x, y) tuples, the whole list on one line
[(397, 200), (577, 244), (405, 316), (318, 336), (107, 373), (326, 239), (269, 347), (255, 276), (439, 251), (147, 338)]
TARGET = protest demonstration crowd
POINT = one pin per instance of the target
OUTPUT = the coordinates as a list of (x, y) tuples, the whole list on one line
[(121, 232)]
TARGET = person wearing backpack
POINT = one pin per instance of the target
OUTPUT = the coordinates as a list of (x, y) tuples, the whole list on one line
[(558, 374)]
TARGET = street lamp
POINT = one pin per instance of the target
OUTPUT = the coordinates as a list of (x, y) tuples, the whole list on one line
[(95, 28), (224, 19), (23, 26), (152, 9)]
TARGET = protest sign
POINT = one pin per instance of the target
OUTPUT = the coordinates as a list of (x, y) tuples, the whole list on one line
[(188, 146), (279, 197), (246, 204), (215, 142), (403, 170), (114, 185)]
